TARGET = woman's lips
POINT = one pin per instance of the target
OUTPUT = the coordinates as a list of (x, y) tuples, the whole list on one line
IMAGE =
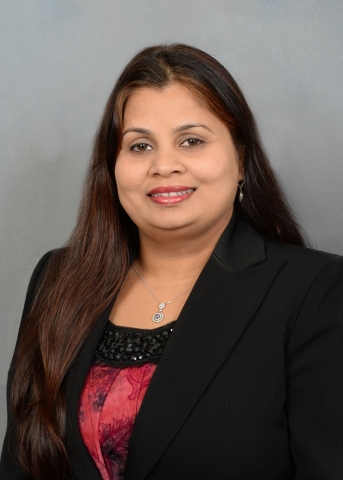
[(170, 195)]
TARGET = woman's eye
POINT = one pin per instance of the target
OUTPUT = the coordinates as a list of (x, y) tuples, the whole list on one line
[(192, 142), (140, 147)]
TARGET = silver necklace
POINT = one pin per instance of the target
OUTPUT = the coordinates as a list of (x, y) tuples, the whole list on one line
[(158, 317)]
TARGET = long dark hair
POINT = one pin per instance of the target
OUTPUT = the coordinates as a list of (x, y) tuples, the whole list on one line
[(83, 278)]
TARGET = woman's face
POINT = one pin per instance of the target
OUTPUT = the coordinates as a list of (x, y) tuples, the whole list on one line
[(177, 169)]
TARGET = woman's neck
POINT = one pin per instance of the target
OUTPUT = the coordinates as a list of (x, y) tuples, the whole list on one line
[(174, 257)]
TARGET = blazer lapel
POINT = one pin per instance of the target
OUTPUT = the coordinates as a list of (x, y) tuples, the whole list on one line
[(221, 305)]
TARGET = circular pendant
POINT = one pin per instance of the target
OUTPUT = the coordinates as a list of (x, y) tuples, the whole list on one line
[(158, 317)]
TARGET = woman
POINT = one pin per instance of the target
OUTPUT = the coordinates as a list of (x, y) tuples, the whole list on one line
[(182, 218)]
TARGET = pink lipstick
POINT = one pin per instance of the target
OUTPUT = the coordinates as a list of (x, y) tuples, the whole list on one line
[(170, 195)]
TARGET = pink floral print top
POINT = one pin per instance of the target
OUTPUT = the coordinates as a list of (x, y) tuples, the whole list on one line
[(124, 363)]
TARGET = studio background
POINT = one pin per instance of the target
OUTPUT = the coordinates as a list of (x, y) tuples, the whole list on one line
[(59, 61)]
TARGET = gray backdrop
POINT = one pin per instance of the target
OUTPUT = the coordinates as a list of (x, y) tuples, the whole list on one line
[(59, 60)]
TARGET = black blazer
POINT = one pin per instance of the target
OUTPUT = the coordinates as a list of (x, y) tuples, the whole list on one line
[(250, 385)]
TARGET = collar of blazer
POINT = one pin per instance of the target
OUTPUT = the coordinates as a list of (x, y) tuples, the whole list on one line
[(222, 303)]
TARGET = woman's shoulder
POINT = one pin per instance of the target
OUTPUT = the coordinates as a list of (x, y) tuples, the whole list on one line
[(295, 256), (41, 266), (303, 260), (297, 251), (43, 262), (38, 276)]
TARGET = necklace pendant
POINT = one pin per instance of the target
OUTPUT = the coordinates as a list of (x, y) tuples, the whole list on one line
[(158, 317)]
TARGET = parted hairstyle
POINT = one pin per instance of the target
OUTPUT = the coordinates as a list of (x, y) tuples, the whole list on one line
[(82, 279)]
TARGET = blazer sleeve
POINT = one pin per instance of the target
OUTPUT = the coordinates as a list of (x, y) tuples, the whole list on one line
[(9, 465), (315, 379)]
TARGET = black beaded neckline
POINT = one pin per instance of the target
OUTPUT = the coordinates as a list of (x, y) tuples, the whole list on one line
[(124, 346)]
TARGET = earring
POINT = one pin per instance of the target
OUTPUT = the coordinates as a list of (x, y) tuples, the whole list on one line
[(241, 194)]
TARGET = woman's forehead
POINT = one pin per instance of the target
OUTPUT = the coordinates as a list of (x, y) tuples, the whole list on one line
[(174, 100)]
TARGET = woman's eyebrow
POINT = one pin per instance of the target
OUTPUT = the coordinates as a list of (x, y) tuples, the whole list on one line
[(181, 128), (144, 131)]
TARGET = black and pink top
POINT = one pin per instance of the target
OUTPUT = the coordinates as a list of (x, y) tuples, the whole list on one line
[(123, 365)]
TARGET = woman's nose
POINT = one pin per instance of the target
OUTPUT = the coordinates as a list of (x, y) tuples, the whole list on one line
[(167, 161)]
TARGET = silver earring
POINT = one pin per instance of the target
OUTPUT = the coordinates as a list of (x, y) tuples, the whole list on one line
[(241, 194)]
